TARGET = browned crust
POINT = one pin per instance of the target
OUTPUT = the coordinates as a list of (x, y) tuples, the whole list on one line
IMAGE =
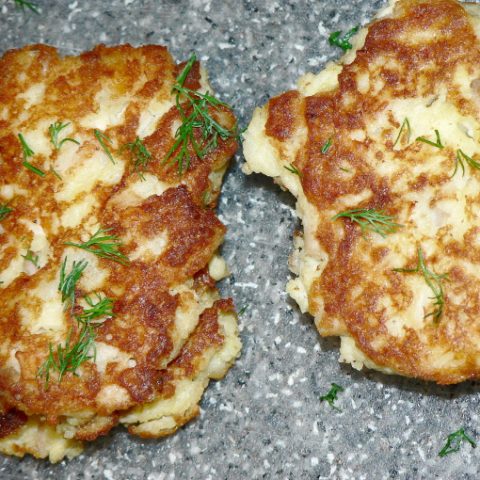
[(11, 421)]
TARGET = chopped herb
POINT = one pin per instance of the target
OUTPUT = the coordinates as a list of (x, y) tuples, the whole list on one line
[(102, 308), (206, 197), (102, 138), (35, 170), (371, 219), (141, 156), (70, 357), (326, 146), (437, 143), (434, 282), (25, 4), (343, 42), (346, 170), (5, 211), (103, 245), (454, 440), (405, 125), (31, 257), (68, 282), (27, 153), (55, 173), (54, 130), (460, 158), (291, 168), (331, 396), (196, 118), (242, 311)]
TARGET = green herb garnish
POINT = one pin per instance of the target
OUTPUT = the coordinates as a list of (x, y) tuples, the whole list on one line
[(242, 311), (102, 308), (405, 125), (434, 282), (103, 245), (5, 211), (326, 146), (25, 4), (331, 396), (52, 170), (69, 357), (31, 257), (198, 121), (27, 153), (437, 143), (460, 158), (141, 156), (454, 440), (54, 130), (69, 281), (292, 169), (102, 138), (343, 42), (371, 219)]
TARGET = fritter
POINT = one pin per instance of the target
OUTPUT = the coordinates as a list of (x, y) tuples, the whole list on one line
[(111, 163), (382, 153)]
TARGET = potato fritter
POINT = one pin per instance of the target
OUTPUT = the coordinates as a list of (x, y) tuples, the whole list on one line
[(382, 152), (108, 307)]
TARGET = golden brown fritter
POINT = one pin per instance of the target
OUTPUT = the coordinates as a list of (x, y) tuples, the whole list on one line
[(392, 131), (149, 357)]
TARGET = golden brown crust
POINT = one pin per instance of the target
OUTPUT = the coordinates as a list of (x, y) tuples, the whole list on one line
[(11, 421), (421, 52)]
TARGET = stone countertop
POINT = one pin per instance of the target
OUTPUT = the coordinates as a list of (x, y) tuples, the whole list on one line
[(264, 420)]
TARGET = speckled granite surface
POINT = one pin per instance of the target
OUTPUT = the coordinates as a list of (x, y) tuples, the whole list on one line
[(264, 420)]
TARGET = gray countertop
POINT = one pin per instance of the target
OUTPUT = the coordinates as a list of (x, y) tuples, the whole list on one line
[(264, 420)]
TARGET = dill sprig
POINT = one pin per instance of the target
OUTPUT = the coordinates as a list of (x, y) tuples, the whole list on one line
[(5, 211), (292, 169), (437, 143), (141, 156), (102, 138), (100, 309), (336, 40), (326, 146), (31, 257), (434, 282), (104, 246), (454, 440), (25, 4), (331, 396), (69, 281), (27, 153), (199, 120), (371, 219), (460, 158), (68, 358), (54, 172), (405, 125), (54, 130)]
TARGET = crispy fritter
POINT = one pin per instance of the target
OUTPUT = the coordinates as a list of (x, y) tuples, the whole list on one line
[(393, 129), (168, 333)]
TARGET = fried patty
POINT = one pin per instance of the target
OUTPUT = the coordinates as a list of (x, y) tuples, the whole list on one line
[(390, 132), (168, 332)]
